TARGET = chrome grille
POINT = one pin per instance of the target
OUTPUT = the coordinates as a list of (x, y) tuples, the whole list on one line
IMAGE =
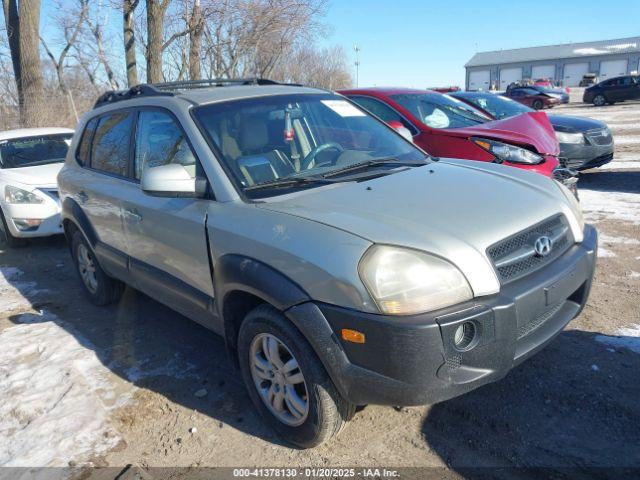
[(515, 256), (600, 136)]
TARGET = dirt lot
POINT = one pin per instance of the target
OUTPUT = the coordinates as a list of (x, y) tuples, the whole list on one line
[(138, 384)]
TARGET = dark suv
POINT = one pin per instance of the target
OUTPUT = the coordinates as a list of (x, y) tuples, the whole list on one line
[(614, 90)]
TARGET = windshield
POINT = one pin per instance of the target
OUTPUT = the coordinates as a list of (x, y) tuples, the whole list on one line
[(439, 111), (32, 151), (295, 137), (498, 106)]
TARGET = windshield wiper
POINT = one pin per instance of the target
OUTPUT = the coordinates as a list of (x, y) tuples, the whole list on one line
[(373, 163), (288, 182)]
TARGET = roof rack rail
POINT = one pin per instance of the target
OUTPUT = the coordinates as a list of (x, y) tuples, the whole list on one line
[(138, 90), (169, 88), (213, 82)]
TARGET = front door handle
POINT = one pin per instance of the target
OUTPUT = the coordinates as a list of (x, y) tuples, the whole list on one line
[(133, 214)]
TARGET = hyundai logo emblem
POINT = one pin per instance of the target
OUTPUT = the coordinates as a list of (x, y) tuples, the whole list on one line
[(543, 246)]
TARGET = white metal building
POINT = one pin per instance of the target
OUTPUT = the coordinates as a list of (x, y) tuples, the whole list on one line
[(565, 63)]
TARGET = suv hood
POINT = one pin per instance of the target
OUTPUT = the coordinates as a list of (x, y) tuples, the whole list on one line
[(39, 175), (451, 208), (530, 128)]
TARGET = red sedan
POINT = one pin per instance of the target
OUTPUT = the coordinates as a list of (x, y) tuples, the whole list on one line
[(533, 97), (446, 127)]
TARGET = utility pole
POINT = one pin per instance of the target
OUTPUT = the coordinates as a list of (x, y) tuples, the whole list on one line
[(356, 49)]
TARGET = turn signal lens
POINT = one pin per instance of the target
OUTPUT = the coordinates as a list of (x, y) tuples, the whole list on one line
[(352, 336)]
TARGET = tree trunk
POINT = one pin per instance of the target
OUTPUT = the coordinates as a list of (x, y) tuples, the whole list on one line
[(155, 37), (30, 67), (128, 8), (12, 24), (196, 26)]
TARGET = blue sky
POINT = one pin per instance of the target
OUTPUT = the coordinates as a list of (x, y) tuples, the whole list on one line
[(426, 43)]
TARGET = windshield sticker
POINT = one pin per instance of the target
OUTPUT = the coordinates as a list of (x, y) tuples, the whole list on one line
[(343, 108)]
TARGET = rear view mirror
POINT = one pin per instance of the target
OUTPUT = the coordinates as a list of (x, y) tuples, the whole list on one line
[(172, 180), (401, 129)]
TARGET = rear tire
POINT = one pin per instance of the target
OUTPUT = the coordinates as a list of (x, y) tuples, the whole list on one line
[(599, 100), (322, 413), (537, 105), (9, 239), (100, 288)]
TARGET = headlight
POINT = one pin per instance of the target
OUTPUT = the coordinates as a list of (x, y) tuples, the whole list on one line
[(18, 195), (404, 281), (564, 137), (573, 202), (508, 153)]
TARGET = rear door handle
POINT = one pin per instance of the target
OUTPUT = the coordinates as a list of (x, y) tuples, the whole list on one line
[(133, 214), (82, 196)]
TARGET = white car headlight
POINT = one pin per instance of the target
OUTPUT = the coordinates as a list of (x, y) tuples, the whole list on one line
[(573, 202), (404, 281), (565, 137), (18, 195), (505, 152)]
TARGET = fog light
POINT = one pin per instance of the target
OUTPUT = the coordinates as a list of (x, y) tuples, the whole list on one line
[(464, 335), (27, 224)]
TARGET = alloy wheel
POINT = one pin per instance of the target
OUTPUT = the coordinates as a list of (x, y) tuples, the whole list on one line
[(87, 268), (278, 379)]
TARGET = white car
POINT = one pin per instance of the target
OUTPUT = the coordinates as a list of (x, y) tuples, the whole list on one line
[(30, 160)]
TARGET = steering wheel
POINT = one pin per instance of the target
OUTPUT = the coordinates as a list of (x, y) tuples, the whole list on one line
[(310, 160)]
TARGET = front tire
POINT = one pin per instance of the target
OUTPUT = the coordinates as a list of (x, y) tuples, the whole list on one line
[(287, 382), (599, 100), (98, 286), (9, 239), (537, 105)]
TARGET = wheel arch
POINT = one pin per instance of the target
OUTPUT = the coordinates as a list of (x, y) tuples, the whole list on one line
[(242, 283), (74, 218)]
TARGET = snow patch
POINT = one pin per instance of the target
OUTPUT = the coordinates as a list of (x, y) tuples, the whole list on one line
[(598, 206), (603, 252), (55, 396), (16, 292), (616, 165), (626, 337), (604, 238), (626, 139)]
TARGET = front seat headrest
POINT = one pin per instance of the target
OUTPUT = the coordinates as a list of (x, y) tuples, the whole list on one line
[(253, 136)]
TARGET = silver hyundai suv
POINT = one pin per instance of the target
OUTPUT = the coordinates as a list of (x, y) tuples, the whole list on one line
[(342, 265)]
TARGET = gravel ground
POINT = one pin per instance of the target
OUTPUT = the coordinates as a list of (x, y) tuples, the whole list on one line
[(138, 384)]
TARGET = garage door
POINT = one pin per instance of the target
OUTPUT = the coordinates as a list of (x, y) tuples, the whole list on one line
[(543, 71), (612, 68), (509, 75), (573, 73), (479, 80)]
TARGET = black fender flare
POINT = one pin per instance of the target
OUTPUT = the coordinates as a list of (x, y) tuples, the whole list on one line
[(73, 213), (238, 273)]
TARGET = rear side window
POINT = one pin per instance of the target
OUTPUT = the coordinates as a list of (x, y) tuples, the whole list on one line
[(84, 149), (110, 150), (160, 141)]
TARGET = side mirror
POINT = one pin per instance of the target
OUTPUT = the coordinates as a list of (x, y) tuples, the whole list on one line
[(401, 129), (172, 180)]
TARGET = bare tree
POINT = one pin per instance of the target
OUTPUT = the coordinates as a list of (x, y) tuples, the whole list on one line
[(23, 26), (196, 30), (71, 24), (128, 10), (156, 10), (97, 24)]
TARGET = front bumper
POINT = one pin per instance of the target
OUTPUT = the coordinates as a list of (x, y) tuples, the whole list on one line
[(413, 361), (582, 157), (48, 212)]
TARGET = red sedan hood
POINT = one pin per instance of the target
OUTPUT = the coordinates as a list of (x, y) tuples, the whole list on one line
[(531, 128)]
